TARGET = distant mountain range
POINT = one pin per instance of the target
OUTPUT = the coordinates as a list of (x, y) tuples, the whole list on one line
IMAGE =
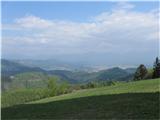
[(53, 64), (9, 68), (13, 68), (46, 64)]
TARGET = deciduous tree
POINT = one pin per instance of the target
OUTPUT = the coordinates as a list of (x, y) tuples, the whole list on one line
[(140, 73)]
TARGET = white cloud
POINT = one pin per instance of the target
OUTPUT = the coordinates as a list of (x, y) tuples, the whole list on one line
[(124, 6), (109, 32), (31, 21)]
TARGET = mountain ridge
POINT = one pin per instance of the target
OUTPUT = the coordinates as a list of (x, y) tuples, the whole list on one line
[(12, 70)]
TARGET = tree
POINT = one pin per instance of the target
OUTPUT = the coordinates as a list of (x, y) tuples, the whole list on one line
[(140, 73), (52, 86), (156, 68)]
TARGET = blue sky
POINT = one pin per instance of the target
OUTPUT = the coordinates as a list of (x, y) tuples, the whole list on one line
[(87, 32), (77, 11)]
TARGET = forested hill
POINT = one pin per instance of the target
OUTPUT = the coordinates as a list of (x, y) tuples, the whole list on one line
[(12, 68)]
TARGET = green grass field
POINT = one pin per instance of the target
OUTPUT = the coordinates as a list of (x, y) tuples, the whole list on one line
[(21, 96), (133, 100)]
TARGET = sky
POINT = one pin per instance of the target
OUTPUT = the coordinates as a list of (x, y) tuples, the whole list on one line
[(110, 33)]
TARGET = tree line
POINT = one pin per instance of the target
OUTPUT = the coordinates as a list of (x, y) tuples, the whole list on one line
[(143, 73)]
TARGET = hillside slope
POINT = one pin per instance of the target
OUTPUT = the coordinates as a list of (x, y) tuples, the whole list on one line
[(133, 100), (11, 68)]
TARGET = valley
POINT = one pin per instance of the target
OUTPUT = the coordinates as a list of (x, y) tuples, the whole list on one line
[(16, 74)]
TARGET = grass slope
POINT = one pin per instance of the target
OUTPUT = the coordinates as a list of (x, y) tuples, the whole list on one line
[(133, 100)]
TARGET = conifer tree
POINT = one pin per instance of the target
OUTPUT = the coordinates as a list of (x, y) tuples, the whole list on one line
[(156, 68)]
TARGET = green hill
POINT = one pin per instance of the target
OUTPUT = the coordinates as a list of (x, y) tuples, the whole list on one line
[(132, 100), (84, 77), (115, 73)]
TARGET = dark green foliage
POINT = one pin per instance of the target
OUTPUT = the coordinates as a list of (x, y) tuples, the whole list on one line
[(140, 73), (156, 68), (97, 84), (90, 85)]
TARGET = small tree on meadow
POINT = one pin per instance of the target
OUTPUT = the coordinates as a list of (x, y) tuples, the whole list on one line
[(140, 73), (52, 86)]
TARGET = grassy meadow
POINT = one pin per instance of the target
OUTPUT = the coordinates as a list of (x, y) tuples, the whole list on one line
[(132, 100)]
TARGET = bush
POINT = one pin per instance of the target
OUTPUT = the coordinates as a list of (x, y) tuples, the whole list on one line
[(63, 88), (91, 85)]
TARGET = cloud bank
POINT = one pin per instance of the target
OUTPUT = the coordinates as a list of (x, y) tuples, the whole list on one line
[(121, 32)]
